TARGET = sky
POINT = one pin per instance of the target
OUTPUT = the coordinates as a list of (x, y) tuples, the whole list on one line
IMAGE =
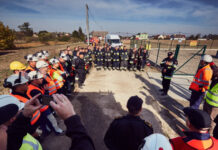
[(124, 16)]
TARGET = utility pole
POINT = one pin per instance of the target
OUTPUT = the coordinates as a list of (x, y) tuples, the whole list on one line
[(87, 22)]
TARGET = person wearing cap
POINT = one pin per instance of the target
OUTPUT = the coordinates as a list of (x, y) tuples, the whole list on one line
[(80, 69), (201, 82), (49, 84), (31, 59), (168, 66), (47, 118), (14, 120), (211, 99), (127, 132), (197, 137), (17, 67), (57, 75)]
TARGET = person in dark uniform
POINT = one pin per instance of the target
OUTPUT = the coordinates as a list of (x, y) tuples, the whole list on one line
[(127, 132), (116, 58), (142, 59), (99, 57), (124, 59), (168, 66), (80, 69), (107, 59), (133, 59)]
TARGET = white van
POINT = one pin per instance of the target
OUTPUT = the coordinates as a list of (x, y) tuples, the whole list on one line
[(113, 40)]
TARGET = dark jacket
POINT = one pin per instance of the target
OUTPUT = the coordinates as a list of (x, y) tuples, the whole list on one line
[(169, 68), (17, 131), (79, 64), (78, 135), (127, 133)]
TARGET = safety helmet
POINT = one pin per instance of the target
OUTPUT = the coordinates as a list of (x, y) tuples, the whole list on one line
[(16, 65), (63, 56), (31, 57), (207, 58), (41, 64), (155, 142), (34, 75), (45, 53), (14, 80), (53, 61), (8, 99), (40, 55)]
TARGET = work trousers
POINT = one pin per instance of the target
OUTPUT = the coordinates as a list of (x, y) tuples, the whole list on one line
[(213, 112), (123, 64), (81, 75), (196, 99), (116, 64), (107, 64), (166, 85)]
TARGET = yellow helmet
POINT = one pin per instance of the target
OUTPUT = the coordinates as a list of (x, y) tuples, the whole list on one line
[(16, 65)]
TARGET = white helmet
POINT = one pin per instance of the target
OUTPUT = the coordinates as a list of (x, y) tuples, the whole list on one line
[(14, 80), (53, 61), (31, 57), (156, 142), (40, 55), (34, 75), (41, 64), (207, 58), (8, 99), (63, 56), (45, 53)]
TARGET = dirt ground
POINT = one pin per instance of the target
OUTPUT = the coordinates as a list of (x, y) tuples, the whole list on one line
[(104, 98)]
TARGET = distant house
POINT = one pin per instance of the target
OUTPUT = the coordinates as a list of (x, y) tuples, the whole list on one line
[(179, 37), (101, 34), (142, 36)]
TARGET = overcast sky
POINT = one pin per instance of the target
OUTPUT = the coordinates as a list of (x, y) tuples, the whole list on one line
[(151, 16)]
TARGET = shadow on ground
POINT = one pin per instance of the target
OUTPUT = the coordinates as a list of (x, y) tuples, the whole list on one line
[(170, 106), (97, 110)]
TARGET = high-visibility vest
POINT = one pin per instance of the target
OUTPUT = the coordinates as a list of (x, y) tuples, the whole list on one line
[(30, 143), (202, 79), (58, 79), (51, 85), (179, 144), (212, 96), (61, 67), (32, 87), (30, 68), (35, 116)]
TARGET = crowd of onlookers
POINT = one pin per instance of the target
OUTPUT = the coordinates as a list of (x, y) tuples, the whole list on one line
[(42, 88)]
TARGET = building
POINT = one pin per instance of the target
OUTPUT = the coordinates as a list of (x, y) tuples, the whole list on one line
[(179, 37), (142, 36), (99, 34)]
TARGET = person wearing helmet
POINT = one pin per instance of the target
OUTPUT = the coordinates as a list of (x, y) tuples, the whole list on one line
[(155, 141), (17, 67), (19, 86), (168, 66), (63, 58), (211, 99), (127, 132), (41, 56), (49, 85), (201, 81), (57, 75), (14, 119), (31, 59), (197, 137), (48, 120)]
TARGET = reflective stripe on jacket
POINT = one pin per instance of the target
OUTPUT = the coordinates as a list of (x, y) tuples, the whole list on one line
[(212, 96), (202, 79), (51, 85), (30, 143)]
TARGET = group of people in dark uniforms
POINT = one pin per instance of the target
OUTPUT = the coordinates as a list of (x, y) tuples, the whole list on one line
[(120, 58)]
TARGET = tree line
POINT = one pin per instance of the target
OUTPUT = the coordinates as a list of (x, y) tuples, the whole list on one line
[(26, 33)]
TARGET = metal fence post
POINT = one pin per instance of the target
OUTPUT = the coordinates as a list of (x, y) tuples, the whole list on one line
[(158, 53), (177, 51)]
